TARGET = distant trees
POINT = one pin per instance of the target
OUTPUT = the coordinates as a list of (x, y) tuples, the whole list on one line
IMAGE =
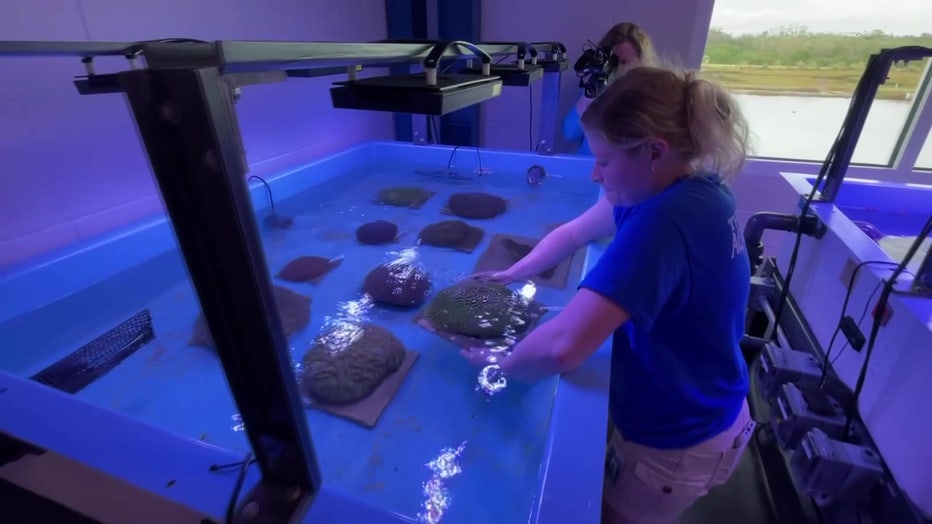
[(796, 46)]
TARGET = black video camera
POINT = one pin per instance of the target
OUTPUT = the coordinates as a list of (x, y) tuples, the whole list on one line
[(594, 67)]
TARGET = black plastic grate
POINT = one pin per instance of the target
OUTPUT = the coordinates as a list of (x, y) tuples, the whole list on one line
[(92, 361)]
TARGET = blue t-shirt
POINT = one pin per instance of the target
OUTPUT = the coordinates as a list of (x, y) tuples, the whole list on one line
[(678, 266), (573, 130)]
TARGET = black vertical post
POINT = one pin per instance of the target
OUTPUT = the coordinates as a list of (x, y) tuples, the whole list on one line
[(460, 20), (405, 19), (186, 122)]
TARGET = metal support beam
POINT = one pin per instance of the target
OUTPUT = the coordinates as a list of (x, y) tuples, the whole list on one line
[(549, 117), (460, 20), (405, 19), (875, 74), (187, 125)]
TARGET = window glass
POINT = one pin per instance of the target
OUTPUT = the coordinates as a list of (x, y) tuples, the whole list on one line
[(793, 69)]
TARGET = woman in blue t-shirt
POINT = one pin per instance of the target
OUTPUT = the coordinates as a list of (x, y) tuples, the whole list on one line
[(671, 290), (631, 47)]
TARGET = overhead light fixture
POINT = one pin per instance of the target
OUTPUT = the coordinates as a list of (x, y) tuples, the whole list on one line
[(427, 93)]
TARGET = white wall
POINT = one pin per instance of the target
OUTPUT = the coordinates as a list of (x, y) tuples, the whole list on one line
[(72, 167)]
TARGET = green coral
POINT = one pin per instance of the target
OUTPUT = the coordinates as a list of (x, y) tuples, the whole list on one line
[(404, 196), (480, 309), (349, 361)]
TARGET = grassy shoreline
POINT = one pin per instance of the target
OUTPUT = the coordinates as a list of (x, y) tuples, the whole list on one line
[(809, 81)]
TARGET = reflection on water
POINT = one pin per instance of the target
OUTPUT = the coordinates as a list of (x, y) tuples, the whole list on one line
[(344, 328), (491, 379), (528, 290), (437, 498), (238, 423)]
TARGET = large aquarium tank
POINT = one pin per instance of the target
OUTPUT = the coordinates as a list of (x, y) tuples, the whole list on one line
[(373, 255)]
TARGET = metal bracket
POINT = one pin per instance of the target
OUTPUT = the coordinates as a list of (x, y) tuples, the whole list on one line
[(272, 505), (875, 74), (761, 287)]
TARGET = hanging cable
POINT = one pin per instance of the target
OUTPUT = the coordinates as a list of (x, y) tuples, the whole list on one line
[(844, 308), (240, 479), (879, 313), (857, 97), (267, 189)]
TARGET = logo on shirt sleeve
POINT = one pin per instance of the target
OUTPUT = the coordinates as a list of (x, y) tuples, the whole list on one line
[(737, 239)]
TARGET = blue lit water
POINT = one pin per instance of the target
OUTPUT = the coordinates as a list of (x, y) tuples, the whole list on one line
[(497, 442), (894, 230), (889, 222)]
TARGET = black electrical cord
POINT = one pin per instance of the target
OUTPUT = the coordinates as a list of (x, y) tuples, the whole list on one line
[(453, 153), (240, 479), (878, 316), (804, 210), (844, 308), (867, 304), (870, 300), (450, 162), (267, 188)]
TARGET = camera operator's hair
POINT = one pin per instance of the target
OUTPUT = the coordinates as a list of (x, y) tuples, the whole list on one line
[(697, 118), (634, 35)]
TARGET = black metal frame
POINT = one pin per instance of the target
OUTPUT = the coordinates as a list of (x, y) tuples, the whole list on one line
[(888, 503), (522, 74), (186, 122), (183, 106), (875, 74)]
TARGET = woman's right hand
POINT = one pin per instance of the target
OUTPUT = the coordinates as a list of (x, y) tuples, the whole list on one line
[(503, 277)]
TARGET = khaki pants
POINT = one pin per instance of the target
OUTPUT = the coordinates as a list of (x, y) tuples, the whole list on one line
[(648, 485)]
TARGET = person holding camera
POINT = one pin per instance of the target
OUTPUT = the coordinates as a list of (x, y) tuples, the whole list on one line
[(671, 290), (629, 47)]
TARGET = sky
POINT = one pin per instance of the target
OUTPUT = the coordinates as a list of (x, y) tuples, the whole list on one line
[(898, 17)]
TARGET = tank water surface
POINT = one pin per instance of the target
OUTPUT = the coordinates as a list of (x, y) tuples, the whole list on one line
[(443, 448)]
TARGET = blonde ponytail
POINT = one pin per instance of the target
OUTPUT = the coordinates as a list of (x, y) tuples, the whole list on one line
[(698, 119), (717, 127)]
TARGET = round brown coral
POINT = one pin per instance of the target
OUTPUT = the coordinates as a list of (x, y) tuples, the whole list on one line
[(413, 197), (454, 234), (476, 205), (398, 284), (377, 232), (303, 269)]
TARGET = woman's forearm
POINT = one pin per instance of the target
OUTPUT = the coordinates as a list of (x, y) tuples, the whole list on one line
[(550, 251)]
